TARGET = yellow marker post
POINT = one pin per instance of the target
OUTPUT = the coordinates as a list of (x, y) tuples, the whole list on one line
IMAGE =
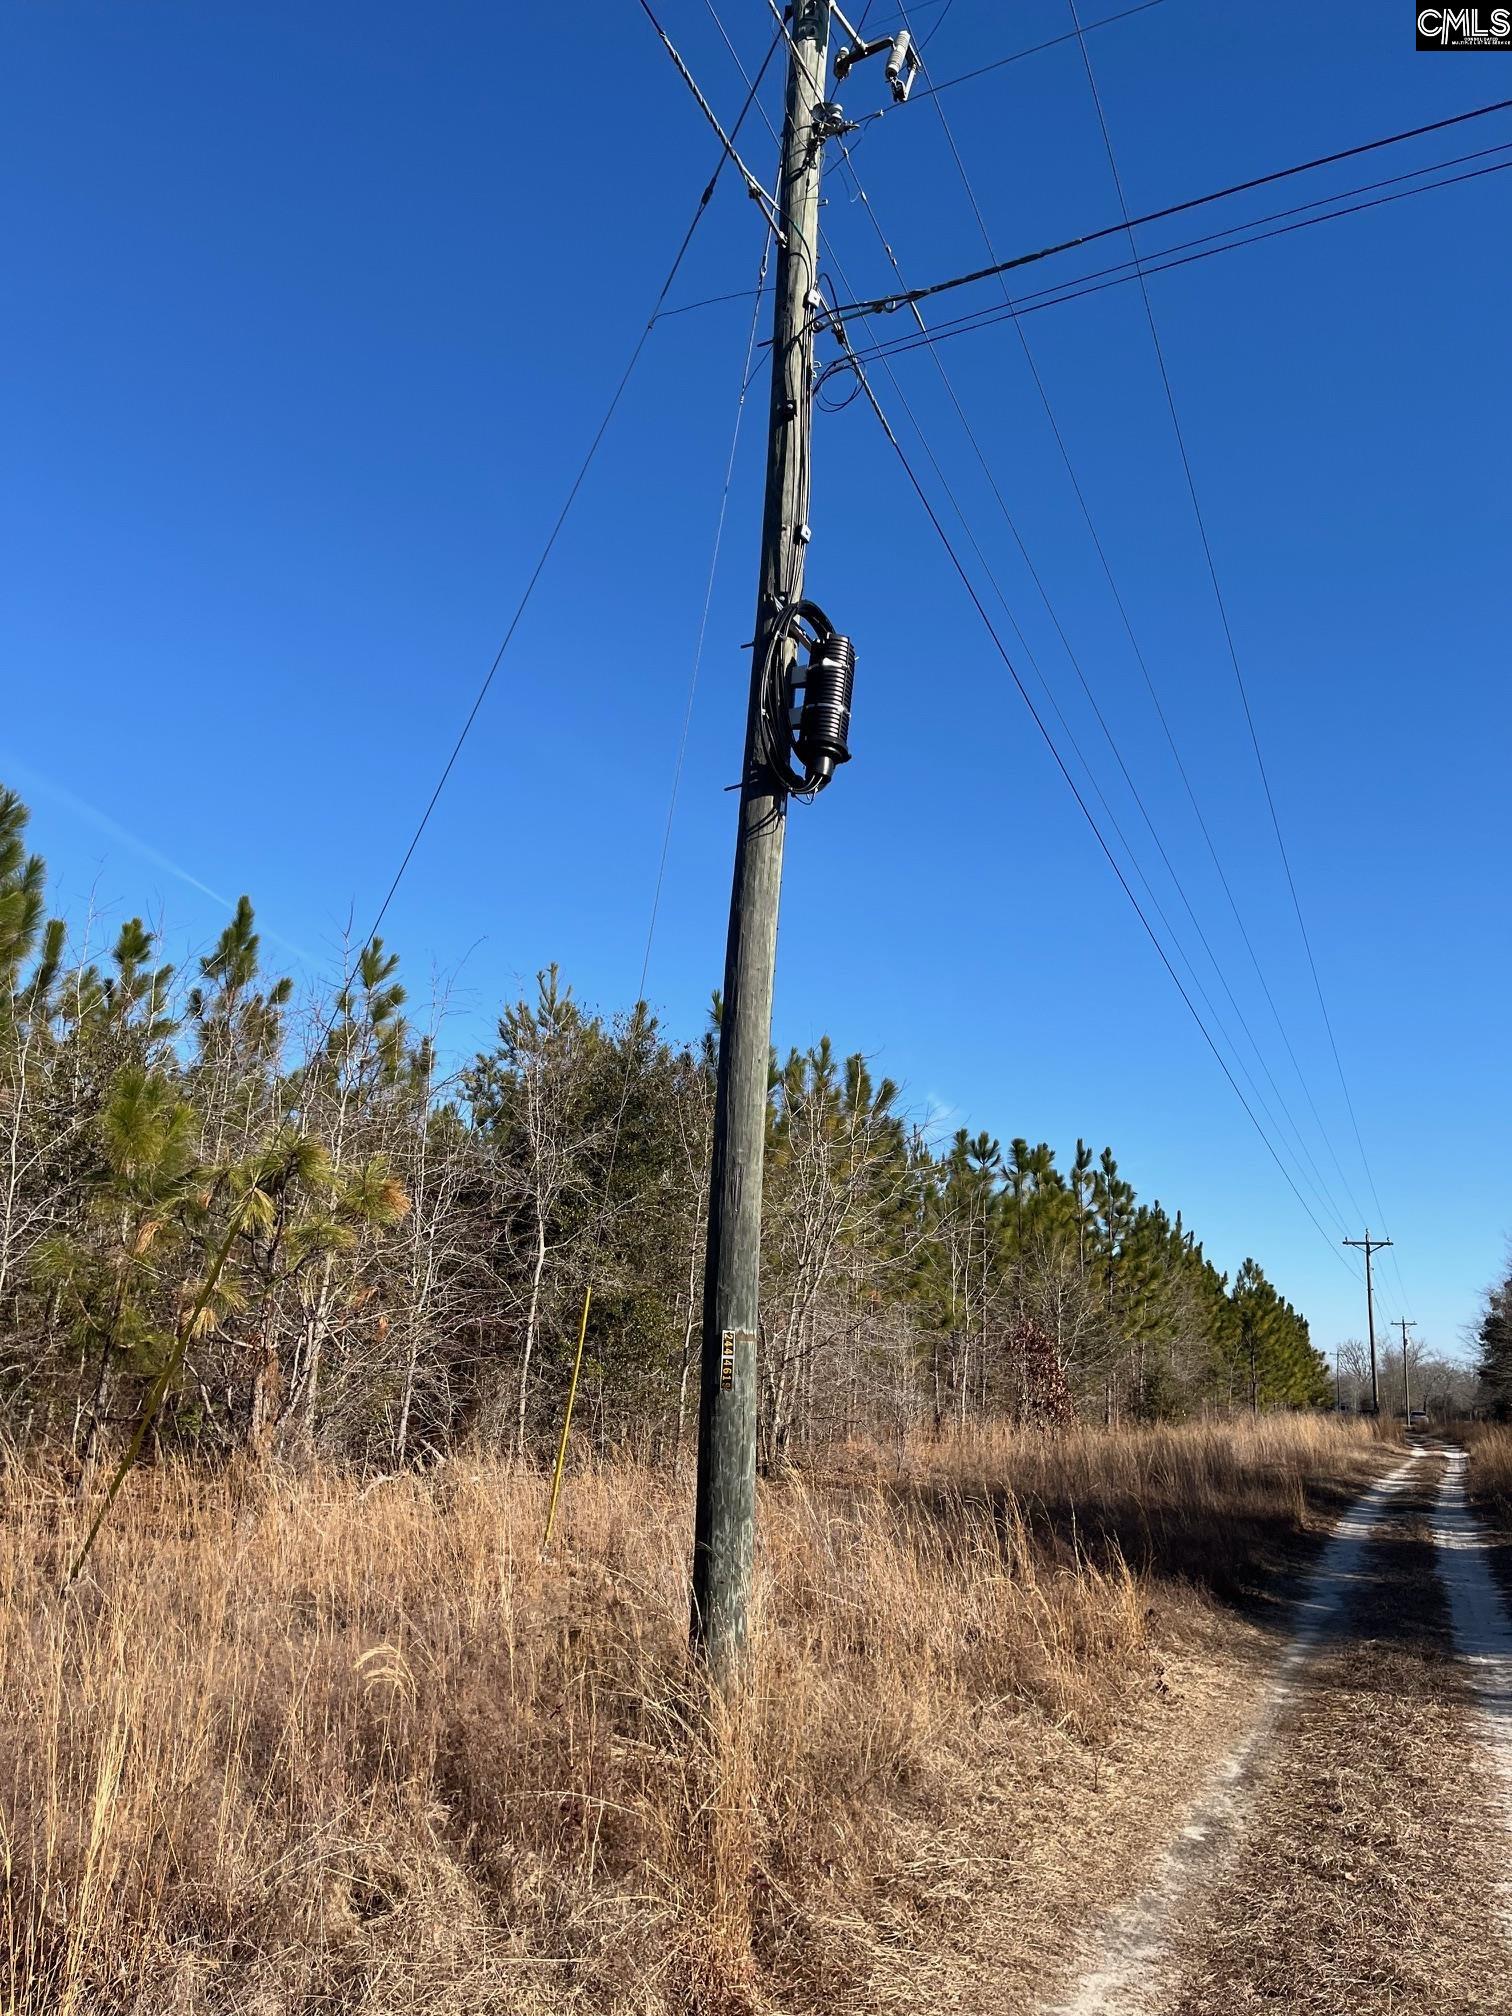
[(561, 1461)]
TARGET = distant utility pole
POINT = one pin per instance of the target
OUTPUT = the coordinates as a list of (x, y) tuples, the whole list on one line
[(1368, 1246), (1338, 1383), (725, 1515), (1405, 1326)]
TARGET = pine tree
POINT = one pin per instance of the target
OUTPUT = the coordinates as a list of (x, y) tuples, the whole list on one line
[(113, 1276), (22, 892), (382, 1260)]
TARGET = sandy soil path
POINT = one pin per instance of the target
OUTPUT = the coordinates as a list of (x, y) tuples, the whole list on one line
[(1348, 1857)]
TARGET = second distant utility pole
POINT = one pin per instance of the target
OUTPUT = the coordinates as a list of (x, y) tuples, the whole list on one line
[(1367, 1245), (1404, 1326), (725, 1514)]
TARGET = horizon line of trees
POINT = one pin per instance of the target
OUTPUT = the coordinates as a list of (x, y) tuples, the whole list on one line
[(1439, 1386), (352, 1253)]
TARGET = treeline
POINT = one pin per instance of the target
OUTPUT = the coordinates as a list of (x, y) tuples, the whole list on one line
[(283, 1213)]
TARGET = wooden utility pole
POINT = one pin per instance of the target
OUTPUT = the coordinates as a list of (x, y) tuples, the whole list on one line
[(1405, 1326), (724, 1522), (1368, 1246)]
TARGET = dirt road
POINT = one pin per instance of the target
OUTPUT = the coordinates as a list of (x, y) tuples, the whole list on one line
[(1350, 1857)]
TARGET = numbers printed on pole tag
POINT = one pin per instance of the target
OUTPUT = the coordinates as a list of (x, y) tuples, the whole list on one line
[(727, 1341)]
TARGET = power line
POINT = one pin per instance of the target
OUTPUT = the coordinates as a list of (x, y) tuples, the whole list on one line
[(561, 519), (924, 7), (1060, 761), (682, 745), (1139, 656), (999, 63), (753, 188), (635, 1025), (1319, 1186), (887, 303), (708, 301), (1128, 270), (703, 621), (1034, 49), (1038, 719), (1085, 809), (1224, 616), (1164, 261), (934, 28)]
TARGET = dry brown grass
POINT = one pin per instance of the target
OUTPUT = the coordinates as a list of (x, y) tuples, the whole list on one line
[(1490, 1477), (300, 1745)]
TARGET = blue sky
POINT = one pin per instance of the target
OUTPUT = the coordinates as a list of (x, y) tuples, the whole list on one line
[(310, 314)]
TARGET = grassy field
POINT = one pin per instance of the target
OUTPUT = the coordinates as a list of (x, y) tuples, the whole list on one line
[(304, 1744)]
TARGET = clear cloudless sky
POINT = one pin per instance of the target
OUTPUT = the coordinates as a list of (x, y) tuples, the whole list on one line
[(309, 314)]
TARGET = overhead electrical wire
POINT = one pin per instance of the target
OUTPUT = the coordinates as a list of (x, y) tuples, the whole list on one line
[(1039, 722), (922, 42), (744, 387), (924, 7), (1127, 271), (1018, 55), (708, 301), (1334, 206), (969, 585), (1316, 1182), (1038, 719), (1167, 259), (1120, 835), (754, 188), (746, 376), (1228, 633), (1232, 241), (1321, 1187), (601, 1221), (571, 498), (888, 303)]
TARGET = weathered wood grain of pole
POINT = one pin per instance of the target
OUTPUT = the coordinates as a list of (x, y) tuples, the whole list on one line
[(725, 1517)]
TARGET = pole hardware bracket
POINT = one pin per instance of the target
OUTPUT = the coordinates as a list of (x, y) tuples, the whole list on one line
[(903, 60)]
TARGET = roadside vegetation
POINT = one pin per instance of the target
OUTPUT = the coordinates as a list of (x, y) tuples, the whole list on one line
[(1490, 1473), (300, 1742), (319, 1730), (327, 1242)]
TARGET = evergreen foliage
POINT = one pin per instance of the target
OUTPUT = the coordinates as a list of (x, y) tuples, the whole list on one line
[(1495, 1339), (380, 1262)]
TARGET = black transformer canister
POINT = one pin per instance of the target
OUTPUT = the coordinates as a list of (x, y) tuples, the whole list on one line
[(824, 725)]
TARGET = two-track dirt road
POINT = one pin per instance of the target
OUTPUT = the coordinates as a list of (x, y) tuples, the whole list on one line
[(1352, 1856)]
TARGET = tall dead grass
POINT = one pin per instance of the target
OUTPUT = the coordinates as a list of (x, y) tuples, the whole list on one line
[(301, 1744), (1490, 1474)]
